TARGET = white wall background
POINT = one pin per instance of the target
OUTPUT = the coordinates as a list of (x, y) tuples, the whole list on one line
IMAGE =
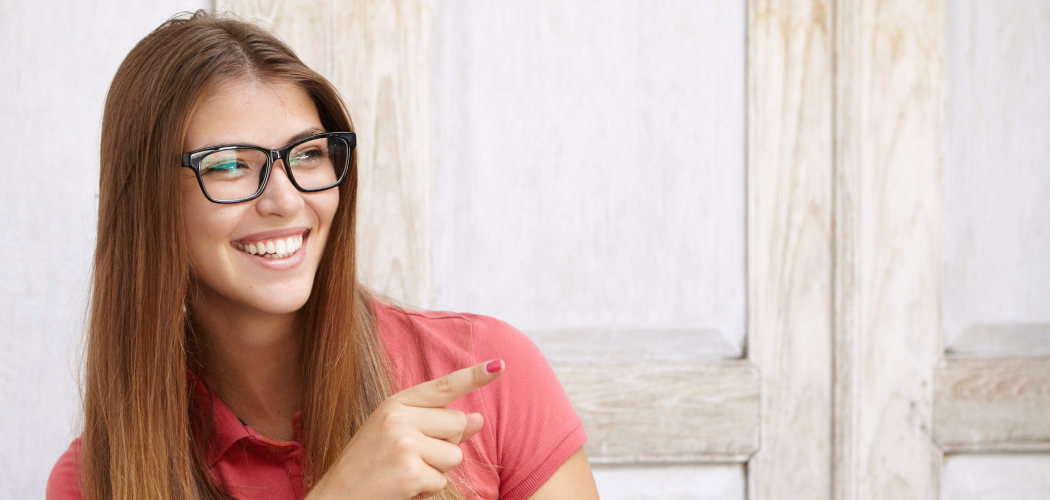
[(57, 59)]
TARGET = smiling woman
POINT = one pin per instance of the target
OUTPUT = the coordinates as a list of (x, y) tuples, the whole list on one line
[(232, 352)]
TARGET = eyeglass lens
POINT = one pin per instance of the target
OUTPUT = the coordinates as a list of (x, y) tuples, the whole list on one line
[(234, 174)]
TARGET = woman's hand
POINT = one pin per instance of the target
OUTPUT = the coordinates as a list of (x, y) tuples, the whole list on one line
[(408, 444)]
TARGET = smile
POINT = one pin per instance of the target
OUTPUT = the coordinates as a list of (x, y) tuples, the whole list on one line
[(279, 248)]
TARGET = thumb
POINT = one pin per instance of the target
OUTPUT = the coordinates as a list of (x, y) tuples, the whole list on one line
[(474, 423)]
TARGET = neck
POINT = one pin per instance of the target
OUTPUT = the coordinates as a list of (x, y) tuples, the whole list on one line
[(250, 360)]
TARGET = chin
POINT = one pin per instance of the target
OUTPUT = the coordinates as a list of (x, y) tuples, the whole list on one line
[(280, 305)]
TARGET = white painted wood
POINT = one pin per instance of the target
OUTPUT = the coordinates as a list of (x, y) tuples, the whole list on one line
[(790, 243), (589, 164), (682, 482), (378, 54), (997, 178), (1003, 340), (665, 412), (993, 405), (888, 223), (996, 477), (626, 346), (58, 59), (997, 209)]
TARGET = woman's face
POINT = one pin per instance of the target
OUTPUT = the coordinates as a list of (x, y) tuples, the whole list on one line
[(231, 279)]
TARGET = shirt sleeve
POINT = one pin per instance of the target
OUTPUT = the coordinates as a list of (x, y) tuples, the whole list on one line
[(64, 482), (535, 427)]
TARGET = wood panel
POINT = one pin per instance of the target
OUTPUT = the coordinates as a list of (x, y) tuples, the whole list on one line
[(789, 244), (591, 174), (888, 232), (997, 178), (378, 54), (670, 412), (677, 482), (992, 405), (996, 477)]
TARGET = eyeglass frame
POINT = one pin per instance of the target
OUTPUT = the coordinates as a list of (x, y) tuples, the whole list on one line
[(192, 160)]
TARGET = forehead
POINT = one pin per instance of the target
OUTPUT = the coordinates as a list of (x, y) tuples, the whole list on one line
[(257, 113)]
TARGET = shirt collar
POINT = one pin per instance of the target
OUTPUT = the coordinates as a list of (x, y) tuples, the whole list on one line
[(226, 428)]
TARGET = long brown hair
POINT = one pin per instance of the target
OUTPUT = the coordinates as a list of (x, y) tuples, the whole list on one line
[(141, 436)]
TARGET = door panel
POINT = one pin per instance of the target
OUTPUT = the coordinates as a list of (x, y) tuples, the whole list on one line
[(589, 167), (993, 388), (996, 477), (997, 179), (679, 482)]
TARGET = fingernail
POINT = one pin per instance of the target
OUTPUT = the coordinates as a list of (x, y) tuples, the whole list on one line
[(494, 365)]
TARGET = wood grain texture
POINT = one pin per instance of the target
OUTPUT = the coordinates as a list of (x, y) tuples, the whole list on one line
[(992, 405), (665, 412), (789, 244), (378, 54), (888, 232)]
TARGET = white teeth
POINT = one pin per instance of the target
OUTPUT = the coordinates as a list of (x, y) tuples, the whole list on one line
[(276, 249)]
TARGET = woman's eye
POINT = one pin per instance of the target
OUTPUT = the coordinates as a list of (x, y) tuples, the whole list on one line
[(308, 155), (232, 168)]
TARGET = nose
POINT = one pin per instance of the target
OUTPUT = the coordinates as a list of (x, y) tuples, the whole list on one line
[(280, 196)]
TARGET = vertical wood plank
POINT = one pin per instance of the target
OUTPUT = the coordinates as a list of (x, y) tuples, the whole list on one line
[(383, 67), (789, 244), (889, 130), (378, 54)]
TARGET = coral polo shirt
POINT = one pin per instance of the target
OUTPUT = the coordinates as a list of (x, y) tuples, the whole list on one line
[(530, 427)]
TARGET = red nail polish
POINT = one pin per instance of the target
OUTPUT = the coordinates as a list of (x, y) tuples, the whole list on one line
[(494, 365)]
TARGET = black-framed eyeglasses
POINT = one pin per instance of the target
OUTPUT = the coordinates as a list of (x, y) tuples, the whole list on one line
[(236, 173)]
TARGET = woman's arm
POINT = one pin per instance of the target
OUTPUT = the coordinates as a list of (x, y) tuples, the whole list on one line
[(573, 480)]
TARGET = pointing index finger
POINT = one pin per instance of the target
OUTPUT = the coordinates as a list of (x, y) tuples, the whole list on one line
[(441, 391)]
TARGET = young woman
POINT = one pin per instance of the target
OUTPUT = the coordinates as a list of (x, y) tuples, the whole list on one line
[(231, 351)]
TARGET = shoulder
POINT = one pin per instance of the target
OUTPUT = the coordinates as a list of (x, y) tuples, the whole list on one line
[(64, 482), (447, 341)]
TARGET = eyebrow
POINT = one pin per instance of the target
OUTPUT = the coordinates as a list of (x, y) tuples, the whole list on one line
[(306, 133), (301, 135)]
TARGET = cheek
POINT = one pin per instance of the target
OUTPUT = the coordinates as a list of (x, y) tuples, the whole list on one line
[(324, 206), (207, 228), (327, 207)]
